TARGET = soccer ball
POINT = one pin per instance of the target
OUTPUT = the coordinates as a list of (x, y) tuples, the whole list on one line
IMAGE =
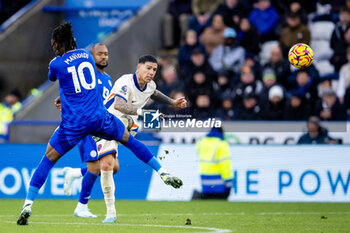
[(301, 55)]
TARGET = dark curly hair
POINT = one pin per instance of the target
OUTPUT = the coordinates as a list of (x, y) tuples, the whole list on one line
[(63, 36)]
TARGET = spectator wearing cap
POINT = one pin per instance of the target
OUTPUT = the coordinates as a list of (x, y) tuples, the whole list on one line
[(280, 65), (229, 56), (226, 111), (248, 36), (185, 50), (213, 36), (250, 108), (269, 80), (294, 32), (247, 84), (329, 108), (265, 18), (297, 108), (274, 108), (315, 133), (232, 11)]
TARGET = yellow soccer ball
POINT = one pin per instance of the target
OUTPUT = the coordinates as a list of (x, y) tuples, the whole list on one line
[(301, 55)]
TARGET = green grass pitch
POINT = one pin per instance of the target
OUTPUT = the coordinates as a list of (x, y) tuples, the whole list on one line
[(168, 217)]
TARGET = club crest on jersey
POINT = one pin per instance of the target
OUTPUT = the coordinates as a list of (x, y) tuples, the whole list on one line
[(124, 89)]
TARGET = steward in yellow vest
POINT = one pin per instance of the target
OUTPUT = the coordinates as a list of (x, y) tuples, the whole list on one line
[(215, 165)]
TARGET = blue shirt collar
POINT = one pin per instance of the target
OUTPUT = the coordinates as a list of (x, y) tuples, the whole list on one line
[(137, 84)]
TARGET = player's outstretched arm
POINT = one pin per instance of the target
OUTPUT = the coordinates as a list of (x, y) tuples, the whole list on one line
[(160, 97)]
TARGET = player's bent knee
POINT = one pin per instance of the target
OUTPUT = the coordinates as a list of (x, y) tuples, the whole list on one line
[(52, 154), (107, 162), (94, 167), (125, 137)]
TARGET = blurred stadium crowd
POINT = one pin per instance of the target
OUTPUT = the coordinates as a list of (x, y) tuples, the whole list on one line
[(230, 59)]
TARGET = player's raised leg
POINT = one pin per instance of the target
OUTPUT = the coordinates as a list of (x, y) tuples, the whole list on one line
[(114, 127), (38, 179), (144, 154)]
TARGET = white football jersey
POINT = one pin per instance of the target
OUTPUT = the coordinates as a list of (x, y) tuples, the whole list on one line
[(128, 88)]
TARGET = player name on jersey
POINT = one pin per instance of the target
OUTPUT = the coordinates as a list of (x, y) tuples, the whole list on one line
[(75, 56)]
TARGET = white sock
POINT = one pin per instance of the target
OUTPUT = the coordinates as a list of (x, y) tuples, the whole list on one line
[(76, 172), (28, 202), (108, 189), (81, 205), (161, 170)]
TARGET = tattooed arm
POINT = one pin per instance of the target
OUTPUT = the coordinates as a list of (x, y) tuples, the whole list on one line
[(121, 105), (160, 97)]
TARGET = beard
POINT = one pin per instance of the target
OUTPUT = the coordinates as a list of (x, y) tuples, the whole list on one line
[(102, 66)]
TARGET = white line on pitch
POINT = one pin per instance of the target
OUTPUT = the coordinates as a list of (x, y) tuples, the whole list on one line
[(209, 229), (194, 214)]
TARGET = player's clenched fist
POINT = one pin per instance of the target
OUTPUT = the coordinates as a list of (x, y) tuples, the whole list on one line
[(58, 103)]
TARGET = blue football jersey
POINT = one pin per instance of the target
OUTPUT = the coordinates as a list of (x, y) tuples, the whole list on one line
[(80, 98), (105, 85)]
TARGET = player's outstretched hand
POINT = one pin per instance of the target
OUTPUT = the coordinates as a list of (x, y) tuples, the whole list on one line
[(58, 103), (180, 103)]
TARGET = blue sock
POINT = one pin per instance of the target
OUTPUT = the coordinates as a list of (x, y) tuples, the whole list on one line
[(87, 185), (142, 152), (39, 177), (153, 162), (83, 170)]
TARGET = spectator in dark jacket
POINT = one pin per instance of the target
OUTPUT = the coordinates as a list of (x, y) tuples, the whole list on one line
[(339, 56), (329, 108), (315, 133), (296, 6), (226, 111), (297, 108), (338, 33), (250, 109), (185, 51), (248, 36), (201, 94), (247, 84), (232, 11), (200, 63), (265, 19), (305, 83)]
